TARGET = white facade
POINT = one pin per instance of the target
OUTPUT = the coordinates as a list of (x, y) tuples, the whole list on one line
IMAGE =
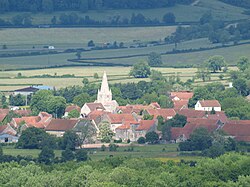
[(105, 96), (199, 106)]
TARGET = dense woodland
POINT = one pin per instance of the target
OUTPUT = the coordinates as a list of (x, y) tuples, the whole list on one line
[(228, 170), (83, 5)]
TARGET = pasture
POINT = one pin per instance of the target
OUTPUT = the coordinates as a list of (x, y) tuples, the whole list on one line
[(160, 152), (192, 13), (10, 82)]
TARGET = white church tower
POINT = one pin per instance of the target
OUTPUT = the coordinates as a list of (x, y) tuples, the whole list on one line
[(105, 96)]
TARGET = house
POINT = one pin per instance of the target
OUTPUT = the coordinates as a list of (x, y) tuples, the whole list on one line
[(58, 127), (116, 120), (31, 90), (90, 107), (71, 108), (182, 134), (8, 134), (166, 113), (238, 129), (96, 117), (136, 109), (181, 99), (208, 105), (133, 130), (40, 121)]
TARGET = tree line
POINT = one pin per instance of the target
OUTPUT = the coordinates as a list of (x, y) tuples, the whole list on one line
[(83, 5)]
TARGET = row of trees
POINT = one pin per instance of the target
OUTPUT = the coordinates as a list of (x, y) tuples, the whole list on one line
[(227, 170), (83, 5), (73, 18)]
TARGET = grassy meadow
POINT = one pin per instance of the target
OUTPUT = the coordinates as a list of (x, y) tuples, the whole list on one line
[(160, 152), (10, 82), (192, 13)]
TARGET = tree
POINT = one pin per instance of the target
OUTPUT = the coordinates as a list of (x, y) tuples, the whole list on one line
[(169, 18), (243, 63), (78, 54), (96, 76), (81, 99), (91, 43), (4, 46), (105, 134), (74, 114), (152, 137), (86, 131), (85, 81), (34, 138), (4, 5), (156, 76), (81, 155), (154, 59), (40, 100), (140, 70), (70, 140), (203, 74), (241, 86), (214, 151), (56, 106), (54, 20), (215, 63), (47, 6), (141, 140), (46, 156), (17, 100), (68, 155)]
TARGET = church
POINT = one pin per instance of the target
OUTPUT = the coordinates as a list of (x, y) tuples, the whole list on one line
[(104, 96)]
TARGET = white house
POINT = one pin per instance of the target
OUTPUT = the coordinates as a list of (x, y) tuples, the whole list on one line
[(208, 105), (90, 107)]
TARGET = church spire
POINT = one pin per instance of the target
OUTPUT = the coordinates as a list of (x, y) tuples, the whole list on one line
[(105, 86)]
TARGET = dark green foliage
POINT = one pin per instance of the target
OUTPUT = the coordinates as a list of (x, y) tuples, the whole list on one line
[(169, 18), (70, 140), (152, 137), (81, 155), (34, 138), (81, 99), (113, 147), (68, 155), (141, 140), (46, 156), (177, 121), (17, 100), (200, 140), (74, 114), (140, 70), (214, 151), (154, 59)]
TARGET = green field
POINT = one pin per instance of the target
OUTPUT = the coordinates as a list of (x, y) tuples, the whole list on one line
[(192, 13), (160, 152), (10, 82)]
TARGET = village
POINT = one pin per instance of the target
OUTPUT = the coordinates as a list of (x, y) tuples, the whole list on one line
[(126, 123)]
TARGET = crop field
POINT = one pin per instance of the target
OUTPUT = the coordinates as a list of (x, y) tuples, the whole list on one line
[(192, 13), (22, 38), (10, 82)]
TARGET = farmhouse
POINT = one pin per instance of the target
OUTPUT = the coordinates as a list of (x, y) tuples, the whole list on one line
[(7, 134), (133, 130), (208, 105), (31, 90), (165, 113), (238, 129), (181, 99), (90, 107), (71, 108), (182, 134)]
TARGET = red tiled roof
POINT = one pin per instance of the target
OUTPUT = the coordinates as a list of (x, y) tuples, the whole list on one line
[(191, 113), (175, 132), (23, 112), (2, 117), (240, 129), (120, 118), (145, 125), (210, 103), (185, 95), (4, 111), (2, 128), (155, 105), (72, 107), (61, 124), (129, 109), (218, 116), (194, 123), (126, 125), (95, 106), (180, 104), (165, 113)]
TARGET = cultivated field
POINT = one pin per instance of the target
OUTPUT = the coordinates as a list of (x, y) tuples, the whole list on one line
[(192, 13), (10, 82), (20, 38)]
